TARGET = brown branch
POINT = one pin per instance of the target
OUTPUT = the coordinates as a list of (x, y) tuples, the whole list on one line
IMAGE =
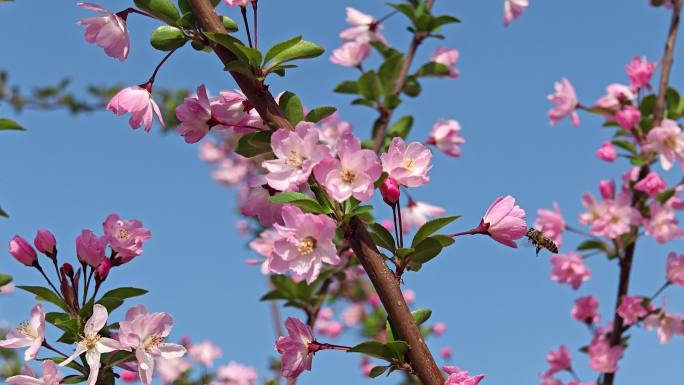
[(388, 290), (627, 260), (386, 115)]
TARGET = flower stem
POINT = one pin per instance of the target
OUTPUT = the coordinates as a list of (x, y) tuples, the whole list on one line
[(40, 269), (401, 227), (256, 25), (659, 291), (154, 74), (244, 19)]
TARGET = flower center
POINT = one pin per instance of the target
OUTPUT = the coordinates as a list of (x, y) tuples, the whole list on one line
[(89, 342), (122, 234), (671, 142), (26, 329), (408, 164), (153, 342), (306, 245), (347, 176), (294, 159)]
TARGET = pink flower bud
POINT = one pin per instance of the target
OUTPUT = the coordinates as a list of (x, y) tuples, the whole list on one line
[(445, 352), (67, 270), (439, 328), (45, 243), (90, 248), (607, 152), (22, 251), (128, 376), (652, 184), (389, 189), (102, 270), (628, 117), (607, 188)]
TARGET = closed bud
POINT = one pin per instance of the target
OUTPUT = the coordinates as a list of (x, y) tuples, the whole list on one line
[(389, 189), (22, 251), (45, 243), (67, 270), (102, 270)]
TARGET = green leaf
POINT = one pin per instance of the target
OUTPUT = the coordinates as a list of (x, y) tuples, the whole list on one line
[(302, 49), (167, 38), (444, 240), (427, 249), (593, 244), (383, 237), (303, 201), (404, 252), (280, 47), (161, 9), (377, 370), (253, 144), (3, 213), (401, 127), (44, 294), (370, 86), (626, 145), (661, 198), (110, 303), (230, 43), (389, 72), (389, 334), (8, 124), (347, 87), (399, 348), (320, 113), (430, 227), (73, 379), (439, 21), (412, 87), (125, 292), (672, 101), (374, 349), (229, 23), (292, 107), (421, 316), (648, 105), (5, 279), (433, 69), (240, 67)]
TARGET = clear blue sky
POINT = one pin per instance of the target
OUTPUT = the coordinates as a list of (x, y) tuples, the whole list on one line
[(503, 312)]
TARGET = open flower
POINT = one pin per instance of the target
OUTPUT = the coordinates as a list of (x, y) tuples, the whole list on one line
[(332, 128), (662, 224), (460, 377), (448, 57), (236, 374), (513, 9), (628, 117), (257, 202), (107, 31), (90, 248), (607, 152), (29, 334), (652, 184), (565, 102), (194, 114), (569, 269), (603, 357), (551, 223), (125, 237), (446, 136), (294, 348), (667, 325), (364, 28), (416, 214), (504, 221), (631, 309), (51, 376), (305, 244), (408, 164), (138, 101), (205, 353), (558, 360), (351, 54), (171, 369), (640, 72), (586, 309), (668, 141), (615, 217), (675, 268), (92, 344), (146, 332), (616, 95)]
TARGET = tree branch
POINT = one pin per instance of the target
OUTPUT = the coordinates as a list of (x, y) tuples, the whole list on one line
[(668, 58)]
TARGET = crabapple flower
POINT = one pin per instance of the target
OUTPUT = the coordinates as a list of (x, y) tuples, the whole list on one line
[(389, 189), (205, 353), (675, 268), (594, 209), (628, 117), (603, 358), (616, 95), (607, 152), (652, 184), (296, 354), (615, 217), (351, 54), (666, 324), (446, 352), (90, 248), (326, 325), (232, 170), (332, 128), (125, 237), (138, 101), (409, 296), (407, 164), (236, 374), (365, 28), (257, 202), (145, 332), (558, 360), (51, 376), (304, 244), (513, 9), (631, 309), (662, 224), (22, 251), (353, 314), (551, 223), (668, 141), (504, 221), (415, 214), (45, 242), (107, 31), (30, 334), (447, 57), (7, 289), (194, 114), (128, 376), (232, 110), (171, 369), (586, 309), (569, 269), (212, 152), (607, 188), (439, 328), (353, 174), (297, 153), (445, 136), (457, 376), (237, 3), (92, 344), (640, 72), (564, 100)]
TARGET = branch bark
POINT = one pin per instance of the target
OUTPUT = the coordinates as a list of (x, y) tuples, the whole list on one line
[(380, 275)]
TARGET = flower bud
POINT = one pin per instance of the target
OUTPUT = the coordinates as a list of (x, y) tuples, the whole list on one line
[(67, 270), (102, 270), (389, 189), (90, 248), (45, 243), (22, 251)]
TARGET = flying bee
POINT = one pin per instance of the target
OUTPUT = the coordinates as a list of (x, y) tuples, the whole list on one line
[(541, 241)]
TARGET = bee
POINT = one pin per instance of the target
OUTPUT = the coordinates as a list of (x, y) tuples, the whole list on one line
[(541, 241)]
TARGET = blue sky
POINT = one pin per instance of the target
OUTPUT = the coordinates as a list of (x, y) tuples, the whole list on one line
[(503, 312)]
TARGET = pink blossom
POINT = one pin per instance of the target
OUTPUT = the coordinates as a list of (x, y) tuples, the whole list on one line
[(232, 110), (668, 141), (30, 334), (171, 369), (652, 184), (513, 9), (607, 152), (439, 328), (194, 115), (640, 72), (558, 360), (628, 117), (616, 95), (129, 376), (667, 325), (22, 251), (125, 237), (51, 376), (205, 353), (305, 244), (446, 352), (675, 268), (445, 135), (232, 170), (90, 248), (631, 309), (366, 366), (102, 270), (45, 242), (415, 215), (332, 128), (603, 358), (138, 101), (607, 188), (569, 269), (594, 209), (365, 28), (107, 31), (296, 355), (389, 189), (353, 174), (662, 224), (409, 296), (263, 245), (457, 376), (407, 164), (551, 223), (236, 374), (353, 315), (616, 217), (242, 227), (212, 152), (328, 327), (351, 54), (7, 289), (237, 3), (564, 100), (586, 309), (447, 57), (374, 300), (504, 221), (297, 153)]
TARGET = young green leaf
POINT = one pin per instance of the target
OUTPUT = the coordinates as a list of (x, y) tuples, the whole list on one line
[(430, 227), (347, 87), (302, 49), (377, 370), (3, 213), (253, 144), (399, 348), (5, 279), (164, 10), (292, 107), (427, 249), (125, 292), (433, 69), (280, 47), (229, 23), (370, 86), (389, 72), (421, 315), (167, 38), (374, 349), (382, 237), (401, 127), (320, 113), (303, 201), (44, 294), (9, 124)]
